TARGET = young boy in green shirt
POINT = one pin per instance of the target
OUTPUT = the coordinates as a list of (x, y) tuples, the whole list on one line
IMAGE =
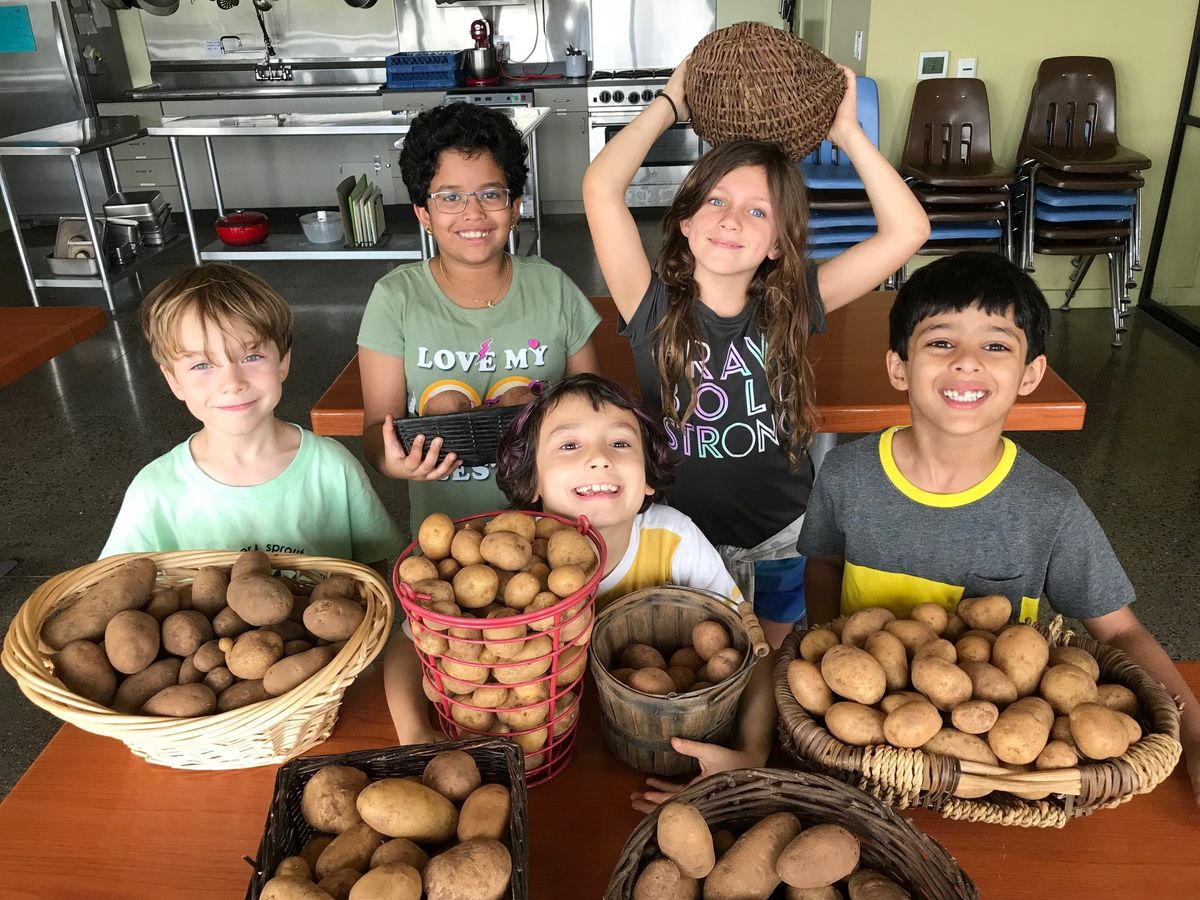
[(950, 508), (245, 481)]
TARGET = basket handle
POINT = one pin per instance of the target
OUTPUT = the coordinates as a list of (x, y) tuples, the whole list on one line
[(758, 641)]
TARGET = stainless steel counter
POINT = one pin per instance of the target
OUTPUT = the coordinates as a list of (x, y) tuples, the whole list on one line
[(73, 138), (154, 93)]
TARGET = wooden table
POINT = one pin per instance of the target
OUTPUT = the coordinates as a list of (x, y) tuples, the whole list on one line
[(853, 392), (31, 335), (89, 819)]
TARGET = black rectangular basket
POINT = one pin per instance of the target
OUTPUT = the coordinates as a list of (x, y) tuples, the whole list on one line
[(474, 436), (500, 762)]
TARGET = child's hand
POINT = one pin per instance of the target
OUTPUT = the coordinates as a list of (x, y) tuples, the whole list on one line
[(713, 759), (845, 120), (413, 465), (675, 91)]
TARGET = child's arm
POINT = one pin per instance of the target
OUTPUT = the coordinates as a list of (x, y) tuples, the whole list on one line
[(902, 224), (1124, 631), (585, 359), (618, 244), (402, 688), (385, 390), (823, 588)]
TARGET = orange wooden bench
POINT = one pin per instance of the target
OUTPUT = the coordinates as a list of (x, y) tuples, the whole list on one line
[(31, 335)]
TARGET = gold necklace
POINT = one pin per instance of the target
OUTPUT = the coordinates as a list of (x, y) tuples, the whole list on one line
[(507, 265)]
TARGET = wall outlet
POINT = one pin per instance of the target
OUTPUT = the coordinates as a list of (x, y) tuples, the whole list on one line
[(968, 67)]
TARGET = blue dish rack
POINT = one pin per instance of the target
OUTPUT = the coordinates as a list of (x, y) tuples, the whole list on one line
[(425, 69)]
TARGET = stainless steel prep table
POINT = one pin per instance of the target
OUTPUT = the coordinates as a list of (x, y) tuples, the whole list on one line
[(291, 246), (72, 140)]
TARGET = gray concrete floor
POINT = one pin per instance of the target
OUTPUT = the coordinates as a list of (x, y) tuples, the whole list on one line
[(77, 429)]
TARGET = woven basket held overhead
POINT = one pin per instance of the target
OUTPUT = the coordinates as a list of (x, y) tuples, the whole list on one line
[(754, 81)]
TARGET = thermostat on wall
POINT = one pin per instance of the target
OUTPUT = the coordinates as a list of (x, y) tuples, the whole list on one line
[(933, 64)]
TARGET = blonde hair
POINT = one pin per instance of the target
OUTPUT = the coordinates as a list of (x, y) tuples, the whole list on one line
[(227, 297)]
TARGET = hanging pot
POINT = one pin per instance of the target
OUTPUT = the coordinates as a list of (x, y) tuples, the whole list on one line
[(243, 227), (157, 7), (360, 4), (117, 4)]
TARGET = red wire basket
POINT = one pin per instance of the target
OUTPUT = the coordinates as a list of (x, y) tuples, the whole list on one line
[(555, 691)]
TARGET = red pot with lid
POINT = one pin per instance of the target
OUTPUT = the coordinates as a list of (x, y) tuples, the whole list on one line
[(246, 226)]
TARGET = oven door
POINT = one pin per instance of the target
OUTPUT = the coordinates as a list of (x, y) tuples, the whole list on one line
[(666, 164)]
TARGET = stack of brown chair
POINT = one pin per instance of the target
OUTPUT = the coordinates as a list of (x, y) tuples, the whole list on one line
[(1080, 194), (948, 164)]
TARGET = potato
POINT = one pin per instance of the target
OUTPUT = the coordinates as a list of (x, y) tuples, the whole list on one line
[(135, 690), (829, 892), (747, 869), (535, 653), (444, 608), (940, 648), (623, 675), (209, 656), (460, 678), (1018, 736), (968, 747), (336, 585), (476, 720), (475, 586), (505, 550), (339, 883), (1075, 656), (447, 567), (209, 588), (865, 623), (989, 613), (464, 547), (163, 602), (908, 726), (334, 618), (521, 589), (1117, 697), (683, 677), (1132, 729), (352, 849), (892, 658), (85, 670), (490, 696), (328, 800), (973, 648), (1098, 731), (131, 641), (814, 644), (260, 599), (227, 623), (314, 848), (567, 547), (724, 664), (1021, 654), (867, 884), (295, 865), (684, 838), (898, 699), (185, 632), (566, 713), (531, 742), (219, 679), (292, 671), (1056, 755), (389, 881), (1038, 708), (416, 568), (453, 774), (250, 562), (485, 813), (478, 869), (1066, 686), (188, 673), (182, 701), (955, 627), (974, 716), (400, 808), (545, 600), (253, 653), (819, 855), (567, 580), (662, 880), (292, 887), (400, 850), (1060, 730), (912, 634), (642, 656), (932, 614), (989, 683), (685, 657), (571, 662), (127, 587), (854, 674), (429, 642), (434, 536), (855, 724), (513, 522), (652, 681)]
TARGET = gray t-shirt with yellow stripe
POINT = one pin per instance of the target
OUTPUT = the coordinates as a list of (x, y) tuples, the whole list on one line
[(1023, 532)]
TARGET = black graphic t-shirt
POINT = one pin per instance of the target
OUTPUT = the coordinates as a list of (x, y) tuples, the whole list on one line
[(734, 478)]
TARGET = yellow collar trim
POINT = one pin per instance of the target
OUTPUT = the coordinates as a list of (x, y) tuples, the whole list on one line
[(944, 501)]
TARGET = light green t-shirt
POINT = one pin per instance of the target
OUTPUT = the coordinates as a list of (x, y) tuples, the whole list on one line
[(322, 504), (543, 319)]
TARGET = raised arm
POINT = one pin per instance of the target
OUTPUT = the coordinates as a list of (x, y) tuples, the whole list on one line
[(615, 234), (902, 224)]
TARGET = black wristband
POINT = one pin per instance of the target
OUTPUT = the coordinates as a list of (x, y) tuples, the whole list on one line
[(674, 108)]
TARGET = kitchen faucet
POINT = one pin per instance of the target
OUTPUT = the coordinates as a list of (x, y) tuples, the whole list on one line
[(272, 68)]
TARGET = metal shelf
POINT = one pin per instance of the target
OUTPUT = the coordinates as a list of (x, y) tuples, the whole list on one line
[(115, 273), (296, 246)]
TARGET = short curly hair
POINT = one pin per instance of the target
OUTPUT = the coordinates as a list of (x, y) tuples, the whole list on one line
[(469, 129), (516, 464)]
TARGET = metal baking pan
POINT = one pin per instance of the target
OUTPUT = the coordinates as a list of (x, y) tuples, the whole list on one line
[(84, 265), (135, 205)]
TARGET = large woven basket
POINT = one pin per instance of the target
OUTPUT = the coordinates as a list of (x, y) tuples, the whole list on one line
[(263, 733), (754, 81), (286, 832), (738, 799), (905, 778)]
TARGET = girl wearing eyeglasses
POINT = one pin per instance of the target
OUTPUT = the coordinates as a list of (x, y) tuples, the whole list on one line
[(473, 322)]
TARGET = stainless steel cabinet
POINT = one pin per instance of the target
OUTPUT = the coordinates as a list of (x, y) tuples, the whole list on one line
[(563, 144), (153, 170)]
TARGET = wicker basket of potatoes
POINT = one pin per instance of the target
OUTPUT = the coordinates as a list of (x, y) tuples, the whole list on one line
[(973, 716), (201, 659), (749, 832)]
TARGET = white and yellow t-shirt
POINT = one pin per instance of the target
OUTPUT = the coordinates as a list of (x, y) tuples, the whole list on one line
[(1022, 532), (666, 547)]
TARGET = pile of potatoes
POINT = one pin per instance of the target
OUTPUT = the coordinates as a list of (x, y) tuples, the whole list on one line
[(232, 637), (708, 660), (441, 836), (776, 850), (966, 684), (497, 678)]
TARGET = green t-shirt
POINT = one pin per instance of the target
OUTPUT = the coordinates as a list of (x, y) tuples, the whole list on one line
[(322, 504), (543, 319)]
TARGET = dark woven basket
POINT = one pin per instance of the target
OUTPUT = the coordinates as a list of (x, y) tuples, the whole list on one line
[(754, 81), (286, 832), (474, 436), (738, 799), (905, 778)]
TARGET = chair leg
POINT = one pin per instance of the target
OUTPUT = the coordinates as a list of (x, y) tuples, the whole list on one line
[(1008, 225), (1030, 190), (1136, 256), (1076, 280), (1116, 272)]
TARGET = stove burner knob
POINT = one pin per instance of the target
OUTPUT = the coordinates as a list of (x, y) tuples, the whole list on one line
[(633, 97), (647, 95), (618, 96), (658, 92), (605, 96)]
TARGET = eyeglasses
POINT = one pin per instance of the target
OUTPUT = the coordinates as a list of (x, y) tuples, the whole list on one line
[(490, 199)]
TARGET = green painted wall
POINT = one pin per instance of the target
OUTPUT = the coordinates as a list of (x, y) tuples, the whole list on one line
[(730, 11)]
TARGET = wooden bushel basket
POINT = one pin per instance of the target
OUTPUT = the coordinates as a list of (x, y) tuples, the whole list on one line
[(638, 727)]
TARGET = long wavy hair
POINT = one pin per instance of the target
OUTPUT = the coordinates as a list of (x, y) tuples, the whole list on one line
[(778, 292)]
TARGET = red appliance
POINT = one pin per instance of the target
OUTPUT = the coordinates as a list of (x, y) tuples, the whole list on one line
[(480, 62), (243, 227)]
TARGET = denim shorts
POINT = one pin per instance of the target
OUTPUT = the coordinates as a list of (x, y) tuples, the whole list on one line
[(779, 589)]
